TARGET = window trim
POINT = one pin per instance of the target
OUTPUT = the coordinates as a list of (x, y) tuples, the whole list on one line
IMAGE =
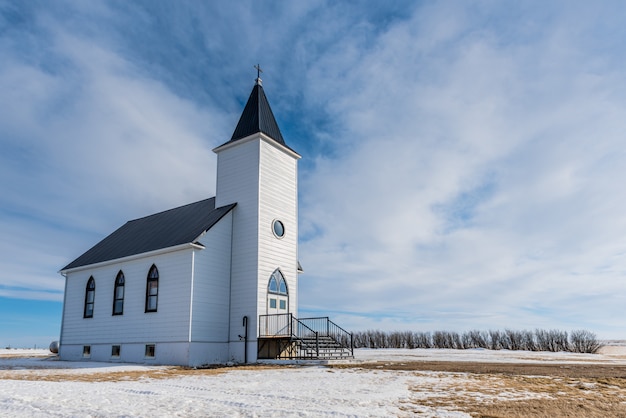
[(90, 288), (150, 279), (120, 281)]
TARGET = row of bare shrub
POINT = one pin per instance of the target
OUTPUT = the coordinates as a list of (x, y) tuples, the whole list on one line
[(580, 341)]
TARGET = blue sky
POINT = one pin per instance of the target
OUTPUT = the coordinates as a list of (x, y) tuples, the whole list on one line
[(462, 161)]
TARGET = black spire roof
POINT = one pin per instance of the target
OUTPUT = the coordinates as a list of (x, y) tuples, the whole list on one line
[(257, 117)]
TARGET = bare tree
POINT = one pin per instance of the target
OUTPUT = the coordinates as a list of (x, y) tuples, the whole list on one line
[(582, 341), (540, 340)]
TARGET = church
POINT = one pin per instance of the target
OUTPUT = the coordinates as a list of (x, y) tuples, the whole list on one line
[(209, 282)]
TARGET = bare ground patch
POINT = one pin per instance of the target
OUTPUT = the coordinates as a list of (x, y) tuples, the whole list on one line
[(523, 396), (525, 369), (489, 390), (130, 375)]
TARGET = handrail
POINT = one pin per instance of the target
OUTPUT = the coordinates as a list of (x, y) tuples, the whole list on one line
[(277, 327), (327, 319), (286, 325), (304, 325), (325, 327)]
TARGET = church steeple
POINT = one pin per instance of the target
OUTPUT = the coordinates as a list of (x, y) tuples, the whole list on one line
[(257, 116)]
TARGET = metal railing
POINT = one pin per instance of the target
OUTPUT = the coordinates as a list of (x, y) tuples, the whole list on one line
[(327, 328), (280, 325), (308, 331)]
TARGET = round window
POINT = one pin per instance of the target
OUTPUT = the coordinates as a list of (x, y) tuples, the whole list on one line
[(279, 228)]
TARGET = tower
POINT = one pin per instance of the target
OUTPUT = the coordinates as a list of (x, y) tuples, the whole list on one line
[(258, 171)]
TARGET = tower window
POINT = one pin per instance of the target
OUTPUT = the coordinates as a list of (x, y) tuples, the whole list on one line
[(277, 284), (273, 286), (278, 228), (277, 294)]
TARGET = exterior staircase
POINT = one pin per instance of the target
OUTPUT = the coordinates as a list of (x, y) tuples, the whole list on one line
[(283, 336)]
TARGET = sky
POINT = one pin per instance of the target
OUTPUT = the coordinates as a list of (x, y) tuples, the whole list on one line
[(462, 162)]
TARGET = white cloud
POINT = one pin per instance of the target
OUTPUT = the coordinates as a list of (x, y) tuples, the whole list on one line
[(88, 145), (478, 179)]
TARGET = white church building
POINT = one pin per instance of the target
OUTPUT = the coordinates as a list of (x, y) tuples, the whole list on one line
[(209, 282)]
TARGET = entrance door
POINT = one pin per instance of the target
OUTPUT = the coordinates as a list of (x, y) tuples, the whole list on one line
[(277, 304), (277, 294)]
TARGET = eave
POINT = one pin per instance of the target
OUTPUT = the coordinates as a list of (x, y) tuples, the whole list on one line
[(186, 246), (254, 136)]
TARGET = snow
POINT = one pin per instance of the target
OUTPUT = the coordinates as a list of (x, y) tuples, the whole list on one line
[(24, 352), (608, 355), (302, 391), (36, 384)]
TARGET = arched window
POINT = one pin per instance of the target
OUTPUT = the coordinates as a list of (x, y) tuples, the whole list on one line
[(277, 294), (277, 283), (118, 294), (90, 296), (152, 289), (273, 286)]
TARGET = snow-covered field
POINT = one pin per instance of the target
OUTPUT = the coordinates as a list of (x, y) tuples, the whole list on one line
[(35, 384)]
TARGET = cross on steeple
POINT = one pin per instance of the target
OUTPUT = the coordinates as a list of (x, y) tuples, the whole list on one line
[(258, 74)]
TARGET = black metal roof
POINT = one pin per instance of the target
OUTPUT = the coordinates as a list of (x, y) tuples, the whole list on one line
[(257, 117), (173, 227)]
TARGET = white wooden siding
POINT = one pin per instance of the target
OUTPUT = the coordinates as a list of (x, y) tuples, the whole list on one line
[(168, 328), (211, 288), (169, 324), (278, 199), (262, 179), (238, 181)]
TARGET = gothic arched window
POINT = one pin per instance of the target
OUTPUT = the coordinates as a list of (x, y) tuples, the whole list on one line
[(277, 294), (90, 296), (152, 289), (277, 283), (118, 294)]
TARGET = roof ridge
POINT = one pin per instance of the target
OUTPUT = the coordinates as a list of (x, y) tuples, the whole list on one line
[(171, 209)]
